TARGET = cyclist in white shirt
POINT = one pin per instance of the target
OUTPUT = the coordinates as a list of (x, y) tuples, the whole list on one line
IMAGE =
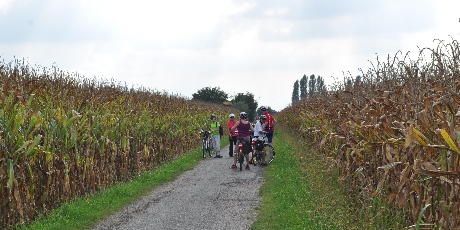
[(259, 127), (259, 131)]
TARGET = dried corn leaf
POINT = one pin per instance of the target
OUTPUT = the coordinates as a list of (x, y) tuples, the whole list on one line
[(449, 140), (420, 137)]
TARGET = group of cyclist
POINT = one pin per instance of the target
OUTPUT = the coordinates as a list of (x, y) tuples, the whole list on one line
[(240, 130)]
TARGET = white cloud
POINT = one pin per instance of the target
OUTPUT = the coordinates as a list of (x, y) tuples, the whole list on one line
[(5, 5), (256, 46)]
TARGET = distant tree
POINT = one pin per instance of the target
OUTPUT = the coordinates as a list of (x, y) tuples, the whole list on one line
[(212, 95), (319, 84), (295, 92), (357, 81), (303, 87), (240, 106), (248, 99), (348, 84), (311, 85)]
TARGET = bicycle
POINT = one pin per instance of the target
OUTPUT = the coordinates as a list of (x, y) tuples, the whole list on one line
[(243, 149), (206, 143), (260, 147)]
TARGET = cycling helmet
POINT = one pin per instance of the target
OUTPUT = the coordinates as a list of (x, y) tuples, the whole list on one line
[(212, 116), (243, 115), (263, 107), (263, 117), (231, 115)]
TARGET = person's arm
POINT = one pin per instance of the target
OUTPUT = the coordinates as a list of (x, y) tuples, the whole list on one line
[(234, 127), (251, 128), (262, 129), (229, 127)]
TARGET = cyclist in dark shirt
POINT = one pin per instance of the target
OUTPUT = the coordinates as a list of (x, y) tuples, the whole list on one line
[(244, 131)]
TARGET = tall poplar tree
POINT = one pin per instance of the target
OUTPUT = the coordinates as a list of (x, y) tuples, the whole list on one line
[(303, 87), (311, 85), (320, 84), (295, 92)]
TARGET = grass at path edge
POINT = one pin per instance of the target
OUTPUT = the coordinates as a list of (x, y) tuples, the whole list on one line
[(286, 196), (302, 192)]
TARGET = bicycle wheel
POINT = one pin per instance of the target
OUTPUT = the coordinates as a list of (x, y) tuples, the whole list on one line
[(210, 148), (204, 147), (258, 157), (268, 148), (241, 157)]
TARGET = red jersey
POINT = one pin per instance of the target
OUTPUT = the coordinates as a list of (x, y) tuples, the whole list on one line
[(230, 125), (270, 123)]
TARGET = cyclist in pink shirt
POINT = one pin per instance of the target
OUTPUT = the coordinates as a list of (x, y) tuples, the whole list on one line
[(232, 135)]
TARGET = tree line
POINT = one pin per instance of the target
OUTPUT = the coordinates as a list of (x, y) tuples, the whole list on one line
[(240, 101), (308, 87)]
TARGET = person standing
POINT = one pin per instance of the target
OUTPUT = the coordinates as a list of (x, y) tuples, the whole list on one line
[(244, 131), (259, 132), (269, 127), (214, 129), (232, 135)]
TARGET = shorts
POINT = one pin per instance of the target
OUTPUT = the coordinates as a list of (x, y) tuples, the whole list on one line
[(216, 143), (269, 135)]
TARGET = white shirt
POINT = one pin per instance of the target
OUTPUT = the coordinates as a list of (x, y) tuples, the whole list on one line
[(257, 129)]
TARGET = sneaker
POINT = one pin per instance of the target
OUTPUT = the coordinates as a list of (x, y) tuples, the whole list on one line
[(218, 156), (233, 167), (247, 167), (230, 155)]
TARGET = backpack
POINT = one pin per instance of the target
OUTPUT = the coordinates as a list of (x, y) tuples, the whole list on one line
[(221, 130)]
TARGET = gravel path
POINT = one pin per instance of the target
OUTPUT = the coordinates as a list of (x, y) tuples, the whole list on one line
[(210, 196)]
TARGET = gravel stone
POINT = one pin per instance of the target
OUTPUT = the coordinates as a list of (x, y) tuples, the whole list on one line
[(210, 196)]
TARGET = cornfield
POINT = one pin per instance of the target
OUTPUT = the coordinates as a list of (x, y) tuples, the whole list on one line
[(63, 136), (394, 135)]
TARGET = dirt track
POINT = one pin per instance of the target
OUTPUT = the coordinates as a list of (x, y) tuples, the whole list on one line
[(211, 196)]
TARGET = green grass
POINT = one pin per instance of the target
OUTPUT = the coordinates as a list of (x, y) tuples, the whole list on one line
[(301, 192), (85, 213), (287, 198)]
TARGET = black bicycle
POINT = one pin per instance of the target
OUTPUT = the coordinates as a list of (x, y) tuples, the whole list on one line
[(259, 148), (206, 143), (244, 148)]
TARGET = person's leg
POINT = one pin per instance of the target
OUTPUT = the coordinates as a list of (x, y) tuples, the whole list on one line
[(247, 150), (234, 155), (270, 142), (247, 160), (216, 142), (230, 151), (262, 152)]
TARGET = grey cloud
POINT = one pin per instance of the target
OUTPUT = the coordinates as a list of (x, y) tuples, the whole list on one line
[(328, 19)]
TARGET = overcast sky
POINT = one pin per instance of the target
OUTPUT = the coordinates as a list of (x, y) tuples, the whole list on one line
[(181, 46)]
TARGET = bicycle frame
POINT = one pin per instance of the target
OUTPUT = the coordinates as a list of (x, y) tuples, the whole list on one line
[(206, 143)]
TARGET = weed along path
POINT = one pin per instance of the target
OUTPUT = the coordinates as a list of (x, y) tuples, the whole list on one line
[(210, 196)]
